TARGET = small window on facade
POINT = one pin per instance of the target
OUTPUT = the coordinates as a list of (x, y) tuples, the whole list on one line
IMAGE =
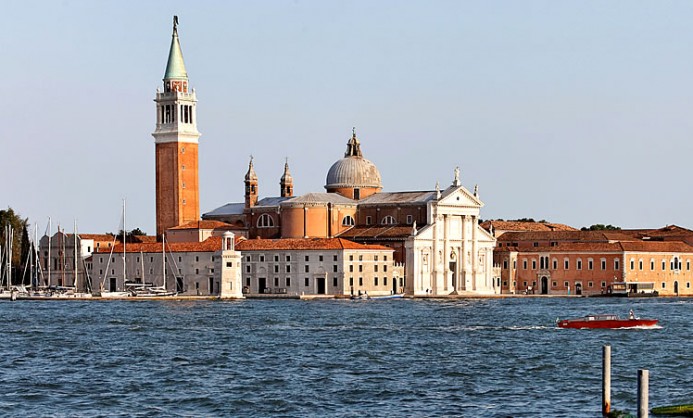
[(590, 264), (566, 264), (410, 219), (334, 268), (276, 258), (307, 258), (555, 264), (351, 268), (505, 264), (247, 281), (262, 258), (351, 281), (664, 285), (603, 262), (334, 257), (247, 269), (319, 258), (229, 264), (524, 264), (566, 284), (617, 264), (276, 282), (288, 269), (388, 220), (360, 281), (334, 282), (360, 268), (534, 264), (375, 268), (640, 265), (307, 268), (579, 264), (590, 284), (307, 281), (276, 268), (288, 281), (632, 264), (288, 258), (375, 281), (348, 221), (385, 268), (368, 220), (265, 221), (664, 265)]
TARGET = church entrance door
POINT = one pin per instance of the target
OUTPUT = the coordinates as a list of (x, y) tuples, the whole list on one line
[(321, 285)]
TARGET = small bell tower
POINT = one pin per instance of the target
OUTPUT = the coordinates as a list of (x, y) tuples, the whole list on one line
[(286, 182), (251, 191)]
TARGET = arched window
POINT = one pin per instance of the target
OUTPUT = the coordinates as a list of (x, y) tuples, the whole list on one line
[(388, 220), (348, 221), (265, 221)]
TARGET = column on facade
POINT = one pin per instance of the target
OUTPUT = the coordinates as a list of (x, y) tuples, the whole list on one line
[(446, 253), (475, 253), (464, 259)]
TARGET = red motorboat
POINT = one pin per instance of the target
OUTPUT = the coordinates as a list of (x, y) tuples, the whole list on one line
[(606, 321)]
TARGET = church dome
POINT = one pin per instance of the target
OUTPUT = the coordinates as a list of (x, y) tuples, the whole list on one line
[(353, 171)]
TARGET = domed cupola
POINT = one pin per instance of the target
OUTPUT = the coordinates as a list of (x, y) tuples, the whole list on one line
[(353, 176)]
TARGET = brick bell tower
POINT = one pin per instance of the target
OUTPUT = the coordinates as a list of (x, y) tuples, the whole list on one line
[(176, 141)]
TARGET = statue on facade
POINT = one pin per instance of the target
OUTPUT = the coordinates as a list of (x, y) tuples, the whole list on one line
[(456, 181)]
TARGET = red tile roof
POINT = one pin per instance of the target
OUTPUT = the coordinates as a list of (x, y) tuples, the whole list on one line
[(616, 247), (525, 226), (378, 232), (574, 236), (308, 244), (205, 224), (211, 244)]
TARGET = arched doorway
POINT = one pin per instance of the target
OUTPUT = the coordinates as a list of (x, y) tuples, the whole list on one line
[(676, 288), (544, 285), (578, 288)]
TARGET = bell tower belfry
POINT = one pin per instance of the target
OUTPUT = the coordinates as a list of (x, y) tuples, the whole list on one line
[(176, 142)]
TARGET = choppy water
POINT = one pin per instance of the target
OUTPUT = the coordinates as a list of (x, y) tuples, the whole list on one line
[(470, 358)]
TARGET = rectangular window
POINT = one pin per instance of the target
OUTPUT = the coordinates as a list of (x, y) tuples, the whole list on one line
[(375, 267), (384, 258), (385, 268), (288, 268), (276, 282), (360, 281), (247, 269), (368, 220), (384, 281), (579, 265), (276, 258), (688, 265), (307, 281), (590, 284), (247, 258), (351, 268), (375, 258), (360, 268), (566, 264), (334, 282), (664, 265), (288, 258), (505, 264), (590, 264), (534, 264), (351, 281), (307, 268), (640, 265), (617, 264), (307, 258), (334, 257), (351, 257), (632, 264), (375, 281), (276, 268), (229, 264), (555, 264), (566, 284), (360, 258), (603, 264), (334, 268), (288, 281), (319, 258), (247, 281), (410, 219), (524, 264)]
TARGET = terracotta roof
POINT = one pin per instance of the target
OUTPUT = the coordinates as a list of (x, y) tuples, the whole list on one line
[(97, 237), (205, 224), (211, 244), (525, 226), (378, 232), (619, 247), (304, 244), (575, 236)]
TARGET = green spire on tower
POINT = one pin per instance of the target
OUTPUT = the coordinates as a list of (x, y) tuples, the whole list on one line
[(175, 69)]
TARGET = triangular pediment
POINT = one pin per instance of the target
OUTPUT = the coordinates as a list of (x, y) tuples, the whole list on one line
[(459, 196)]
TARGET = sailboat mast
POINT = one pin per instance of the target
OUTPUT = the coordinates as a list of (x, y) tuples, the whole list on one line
[(124, 248), (75, 260), (163, 254), (49, 251)]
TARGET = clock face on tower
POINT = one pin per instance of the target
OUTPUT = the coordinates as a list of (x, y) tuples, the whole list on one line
[(176, 86)]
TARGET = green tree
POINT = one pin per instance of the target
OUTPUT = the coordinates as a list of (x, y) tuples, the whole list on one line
[(20, 240), (601, 227)]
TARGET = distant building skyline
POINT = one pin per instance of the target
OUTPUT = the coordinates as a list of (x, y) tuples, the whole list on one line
[(554, 110)]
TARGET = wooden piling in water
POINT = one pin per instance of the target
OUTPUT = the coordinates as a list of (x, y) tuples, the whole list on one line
[(643, 392), (606, 380)]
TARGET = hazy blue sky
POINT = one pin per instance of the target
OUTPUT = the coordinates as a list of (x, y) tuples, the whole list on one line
[(577, 112)]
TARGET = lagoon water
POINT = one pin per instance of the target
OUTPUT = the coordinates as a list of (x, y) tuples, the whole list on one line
[(293, 358)]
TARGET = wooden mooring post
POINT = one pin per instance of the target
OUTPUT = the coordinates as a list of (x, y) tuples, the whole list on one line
[(606, 380), (643, 392)]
